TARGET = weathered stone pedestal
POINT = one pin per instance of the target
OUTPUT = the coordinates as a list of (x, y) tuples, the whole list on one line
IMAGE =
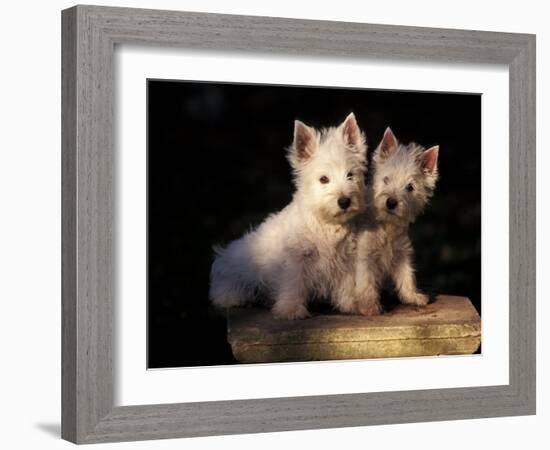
[(448, 326)]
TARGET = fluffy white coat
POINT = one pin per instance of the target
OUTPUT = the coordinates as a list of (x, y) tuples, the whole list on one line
[(309, 248), (404, 178)]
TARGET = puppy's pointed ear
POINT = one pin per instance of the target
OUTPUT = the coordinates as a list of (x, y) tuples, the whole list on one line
[(388, 144), (351, 131), (304, 141), (354, 138), (428, 160)]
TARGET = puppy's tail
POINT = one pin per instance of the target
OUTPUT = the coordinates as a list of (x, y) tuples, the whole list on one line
[(218, 250), (229, 286)]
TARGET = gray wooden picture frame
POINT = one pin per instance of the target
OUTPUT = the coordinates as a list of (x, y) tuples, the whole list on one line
[(90, 34)]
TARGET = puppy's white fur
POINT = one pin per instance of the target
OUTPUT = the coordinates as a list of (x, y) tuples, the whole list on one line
[(404, 178), (309, 248)]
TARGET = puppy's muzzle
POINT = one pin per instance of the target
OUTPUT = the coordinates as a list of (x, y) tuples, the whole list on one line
[(344, 202), (391, 203)]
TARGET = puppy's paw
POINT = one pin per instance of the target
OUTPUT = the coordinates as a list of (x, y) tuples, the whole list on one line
[(290, 311), (370, 308), (346, 307), (416, 298)]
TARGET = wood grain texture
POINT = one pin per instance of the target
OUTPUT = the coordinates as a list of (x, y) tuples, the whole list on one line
[(88, 210), (68, 225), (522, 225), (89, 37)]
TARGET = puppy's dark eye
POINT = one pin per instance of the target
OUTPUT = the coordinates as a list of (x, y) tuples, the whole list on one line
[(349, 176), (386, 180), (409, 187), (324, 179)]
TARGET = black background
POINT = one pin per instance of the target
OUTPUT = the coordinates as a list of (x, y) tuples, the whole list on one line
[(216, 167)]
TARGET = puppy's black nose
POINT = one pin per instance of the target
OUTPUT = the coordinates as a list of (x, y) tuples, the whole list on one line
[(344, 202), (391, 203)]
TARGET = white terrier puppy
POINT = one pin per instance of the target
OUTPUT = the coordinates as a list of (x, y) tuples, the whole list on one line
[(307, 249), (404, 178)]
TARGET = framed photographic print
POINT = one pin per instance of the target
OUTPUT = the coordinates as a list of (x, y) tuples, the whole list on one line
[(267, 222)]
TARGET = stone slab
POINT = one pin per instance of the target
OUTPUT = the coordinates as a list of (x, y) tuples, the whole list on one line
[(448, 326)]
